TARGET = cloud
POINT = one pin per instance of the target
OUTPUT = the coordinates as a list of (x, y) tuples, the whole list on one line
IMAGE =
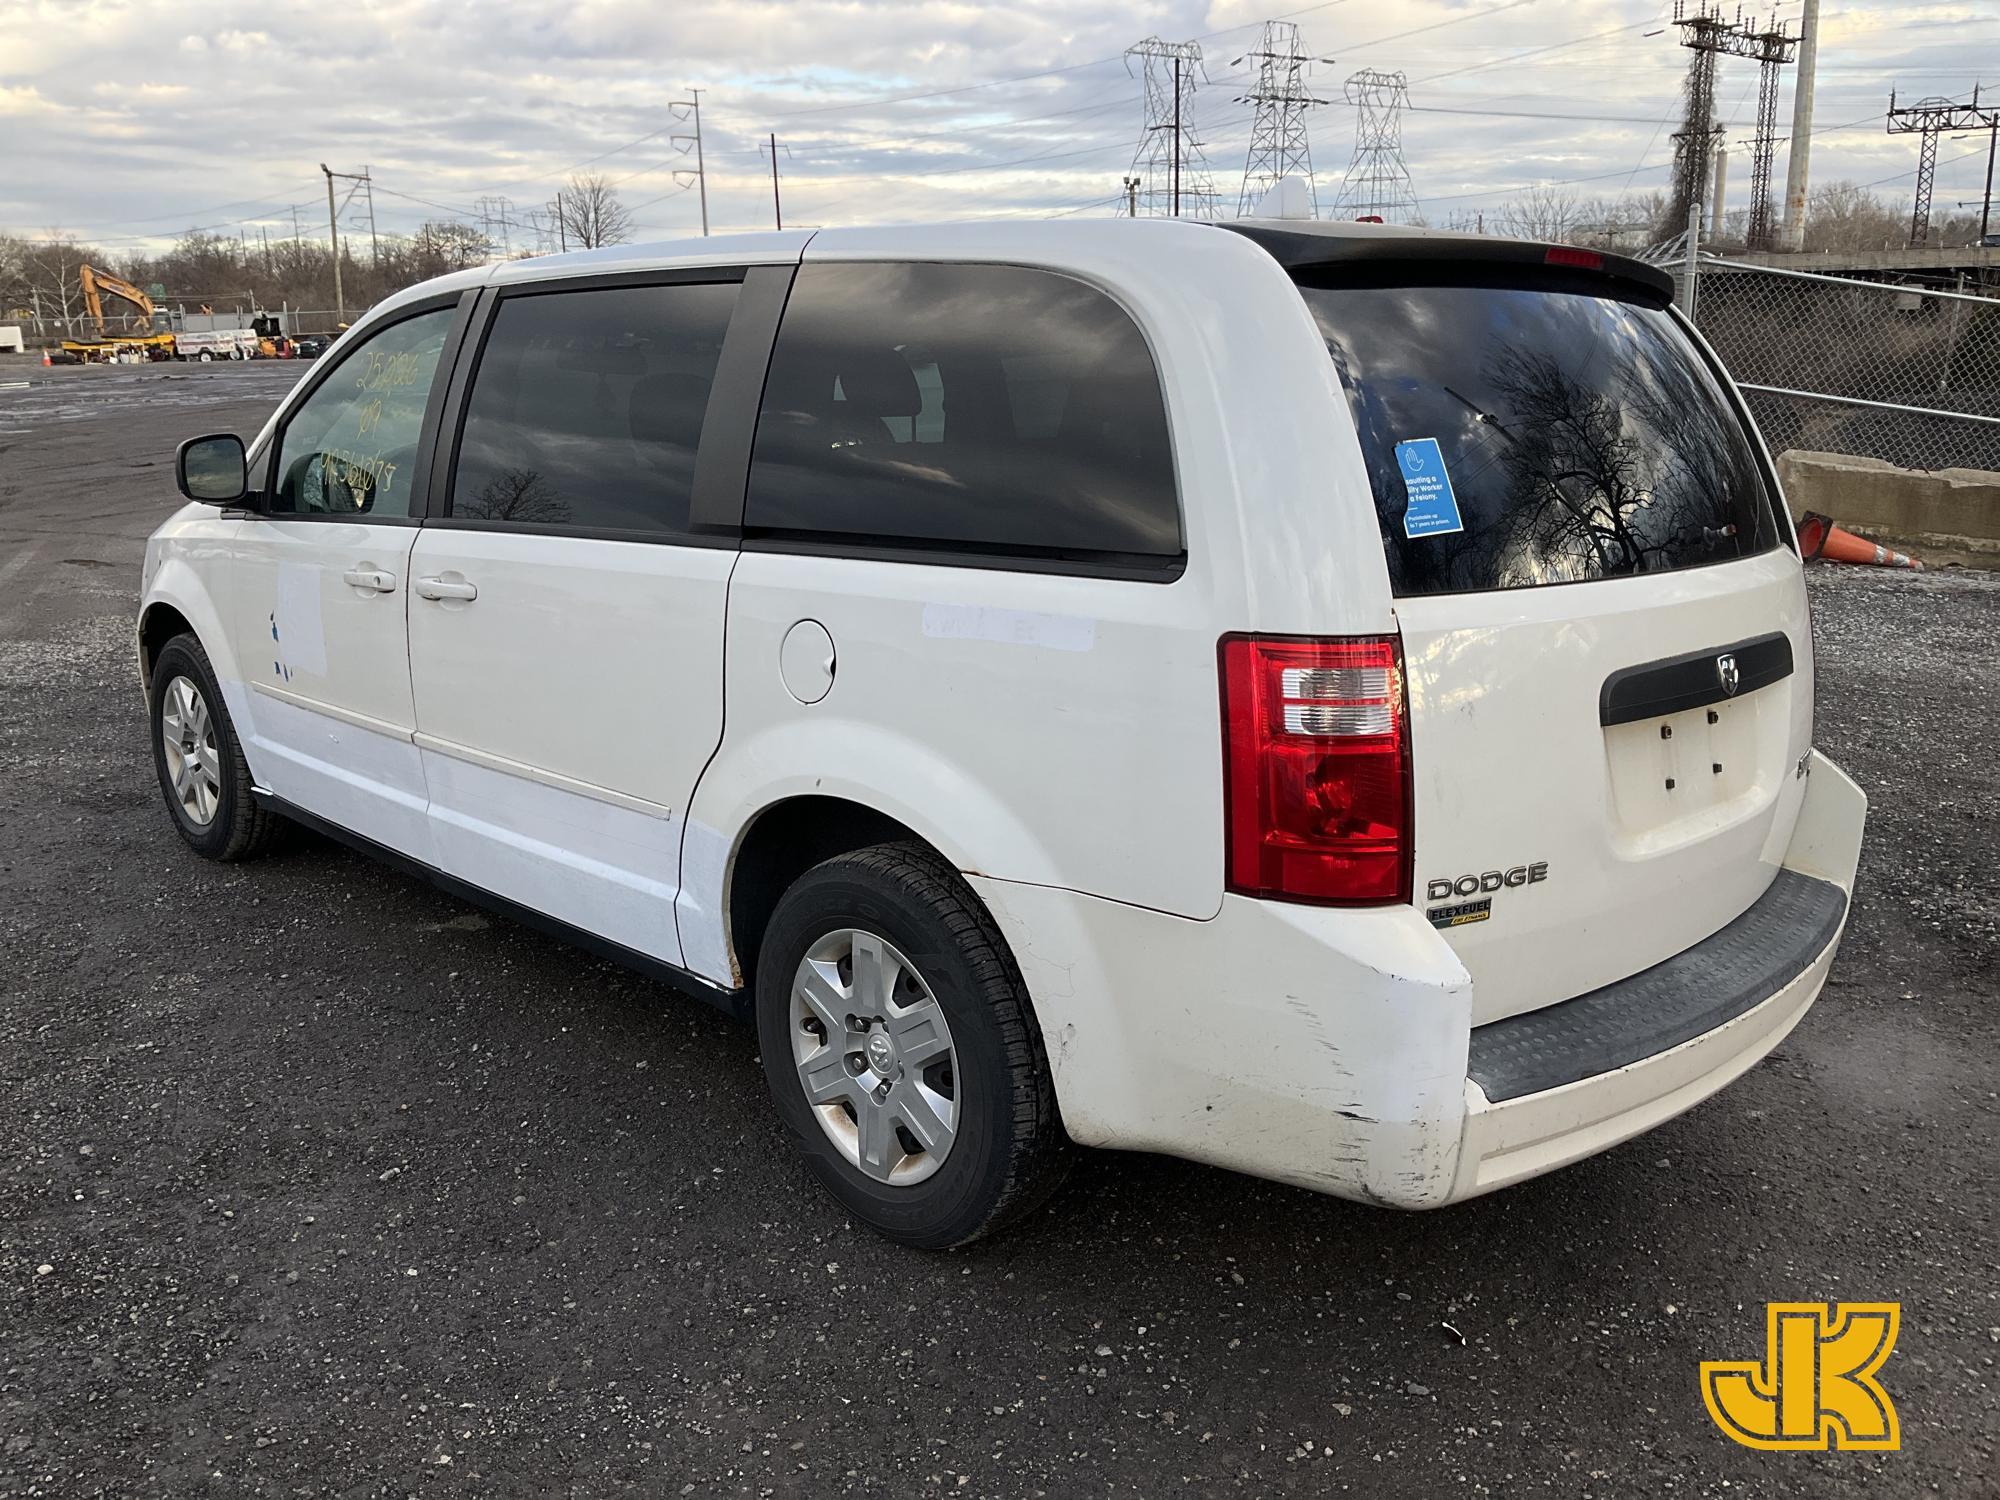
[(884, 109), (22, 102)]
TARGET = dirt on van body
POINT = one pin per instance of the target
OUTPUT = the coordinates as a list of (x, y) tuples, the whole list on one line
[(316, 1181)]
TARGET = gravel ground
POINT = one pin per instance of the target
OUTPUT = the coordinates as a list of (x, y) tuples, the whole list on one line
[(315, 1181)]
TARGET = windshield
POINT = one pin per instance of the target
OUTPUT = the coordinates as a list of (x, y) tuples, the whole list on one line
[(1516, 438)]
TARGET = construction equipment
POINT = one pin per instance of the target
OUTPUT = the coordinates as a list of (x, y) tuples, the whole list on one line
[(154, 343), (95, 282)]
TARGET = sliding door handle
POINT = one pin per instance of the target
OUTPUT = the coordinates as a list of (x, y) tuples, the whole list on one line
[(447, 588), (375, 580)]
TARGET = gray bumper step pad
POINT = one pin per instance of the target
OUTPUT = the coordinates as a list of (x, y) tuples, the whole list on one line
[(1716, 980)]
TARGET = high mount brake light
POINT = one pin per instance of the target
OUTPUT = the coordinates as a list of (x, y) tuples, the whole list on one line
[(1316, 768), (1566, 255)]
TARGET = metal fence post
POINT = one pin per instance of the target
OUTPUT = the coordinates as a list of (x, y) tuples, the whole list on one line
[(1693, 257)]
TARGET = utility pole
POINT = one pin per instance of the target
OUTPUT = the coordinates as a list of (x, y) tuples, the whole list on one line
[(1927, 120), (1177, 137), (333, 230), (693, 103), (1798, 159), (777, 208), (1131, 197), (1721, 187), (1986, 203)]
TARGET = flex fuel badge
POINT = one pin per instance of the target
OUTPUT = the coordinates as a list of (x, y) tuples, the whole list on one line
[(1462, 914), (1433, 508)]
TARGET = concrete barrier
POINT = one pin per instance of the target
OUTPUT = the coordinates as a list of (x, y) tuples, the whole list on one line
[(1942, 515)]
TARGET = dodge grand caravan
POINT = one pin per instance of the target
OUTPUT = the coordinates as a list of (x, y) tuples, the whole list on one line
[(1329, 701)]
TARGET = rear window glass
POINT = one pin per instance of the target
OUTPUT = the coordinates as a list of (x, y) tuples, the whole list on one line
[(1516, 438), (990, 408)]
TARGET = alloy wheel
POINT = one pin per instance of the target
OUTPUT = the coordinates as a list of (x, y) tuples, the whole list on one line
[(187, 733)]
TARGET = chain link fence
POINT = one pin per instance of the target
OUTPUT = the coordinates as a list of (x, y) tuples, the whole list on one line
[(1905, 373)]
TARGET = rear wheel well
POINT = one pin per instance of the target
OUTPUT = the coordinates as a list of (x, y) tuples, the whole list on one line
[(786, 840), (160, 624)]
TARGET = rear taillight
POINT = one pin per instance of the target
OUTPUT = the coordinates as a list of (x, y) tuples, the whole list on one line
[(1316, 745)]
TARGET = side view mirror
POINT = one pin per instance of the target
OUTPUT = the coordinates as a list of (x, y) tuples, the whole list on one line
[(212, 469)]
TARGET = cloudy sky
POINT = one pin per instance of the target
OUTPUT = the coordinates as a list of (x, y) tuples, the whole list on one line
[(130, 123)]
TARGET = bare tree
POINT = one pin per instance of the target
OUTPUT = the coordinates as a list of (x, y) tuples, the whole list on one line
[(1541, 213), (1845, 216), (50, 279), (586, 214), (13, 275), (442, 245)]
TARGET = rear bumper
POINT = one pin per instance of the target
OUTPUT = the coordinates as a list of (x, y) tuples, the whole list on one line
[(1334, 1049)]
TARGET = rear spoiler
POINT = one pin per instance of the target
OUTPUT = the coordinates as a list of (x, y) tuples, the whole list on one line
[(1338, 255)]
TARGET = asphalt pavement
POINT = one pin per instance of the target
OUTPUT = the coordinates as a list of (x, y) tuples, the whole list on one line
[(316, 1181)]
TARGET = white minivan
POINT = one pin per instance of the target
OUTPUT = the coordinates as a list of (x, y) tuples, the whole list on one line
[(1327, 700)]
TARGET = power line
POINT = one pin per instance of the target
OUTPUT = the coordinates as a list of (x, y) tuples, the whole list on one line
[(1097, 62), (1535, 52)]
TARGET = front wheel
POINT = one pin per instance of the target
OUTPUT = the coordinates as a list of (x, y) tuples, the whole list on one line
[(205, 357), (200, 764), (901, 1049)]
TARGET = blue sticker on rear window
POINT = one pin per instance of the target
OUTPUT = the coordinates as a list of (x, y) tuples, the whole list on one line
[(1433, 508)]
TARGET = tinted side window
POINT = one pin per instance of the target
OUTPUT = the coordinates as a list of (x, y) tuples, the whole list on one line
[(586, 408), (984, 406), (1580, 437), (350, 449)]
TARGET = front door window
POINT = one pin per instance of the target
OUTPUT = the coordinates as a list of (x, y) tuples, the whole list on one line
[(350, 450)]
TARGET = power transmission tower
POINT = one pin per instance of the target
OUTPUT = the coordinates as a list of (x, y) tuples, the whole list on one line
[(1928, 119), (1707, 35), (1170, 161), (1774, 48), (1278, 144), (496, 218), (1377, 185)]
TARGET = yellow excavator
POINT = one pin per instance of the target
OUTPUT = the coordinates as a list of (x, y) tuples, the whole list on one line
[(152, 344)]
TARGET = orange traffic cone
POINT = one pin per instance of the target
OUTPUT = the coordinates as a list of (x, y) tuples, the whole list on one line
[(1822, 541), (46, 361)]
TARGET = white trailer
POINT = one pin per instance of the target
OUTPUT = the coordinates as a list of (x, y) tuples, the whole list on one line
[(223, 343)]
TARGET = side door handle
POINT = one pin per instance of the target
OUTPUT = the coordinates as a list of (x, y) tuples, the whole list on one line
[(375, 580), (447, 588)]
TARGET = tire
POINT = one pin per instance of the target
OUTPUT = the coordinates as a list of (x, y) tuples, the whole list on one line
[(205, 357), (1006, 1150), (206, 773)]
